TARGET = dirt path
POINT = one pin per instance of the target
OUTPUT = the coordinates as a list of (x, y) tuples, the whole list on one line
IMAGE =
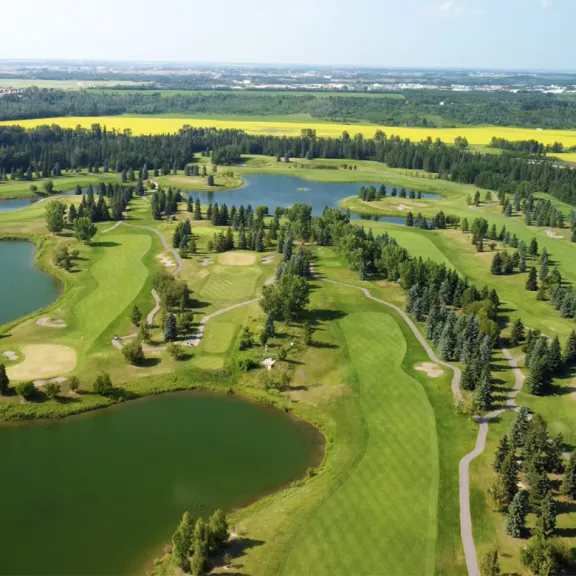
[(464, 472), (200, 331), (466, 533)]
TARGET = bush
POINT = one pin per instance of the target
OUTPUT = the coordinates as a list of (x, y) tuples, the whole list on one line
[(176, 351), (26, 389), (246, 364), (245, 343), (51, 390), (134, 353), (263, 338), (74, 383), (103, 385)]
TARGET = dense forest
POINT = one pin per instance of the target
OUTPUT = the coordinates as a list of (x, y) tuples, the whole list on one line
[(25, 154), (415, 108)]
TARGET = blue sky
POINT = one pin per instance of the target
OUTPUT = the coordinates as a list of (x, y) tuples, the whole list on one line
[(428, 33)]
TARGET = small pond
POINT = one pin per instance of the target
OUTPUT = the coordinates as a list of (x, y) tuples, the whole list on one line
[(101, 493), (23, 287)]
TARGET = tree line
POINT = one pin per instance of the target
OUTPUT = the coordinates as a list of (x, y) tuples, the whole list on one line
[(414, 108), (45, 147)]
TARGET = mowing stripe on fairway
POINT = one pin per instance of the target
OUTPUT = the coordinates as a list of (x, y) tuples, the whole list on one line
[(119, 275), (382, 519)]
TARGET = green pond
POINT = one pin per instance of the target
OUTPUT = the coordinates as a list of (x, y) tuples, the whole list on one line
[(101, 493), (23, 288)]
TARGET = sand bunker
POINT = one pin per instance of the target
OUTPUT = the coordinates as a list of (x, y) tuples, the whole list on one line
[(403, 207), (205, 261), (43, 361), (166, 261), (236, 259), (57, 380), (268, 260), (432, 370), (50, 323), (10, 355), (552, 234)]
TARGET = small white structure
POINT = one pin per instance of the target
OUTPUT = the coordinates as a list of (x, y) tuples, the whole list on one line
[(268, 363)]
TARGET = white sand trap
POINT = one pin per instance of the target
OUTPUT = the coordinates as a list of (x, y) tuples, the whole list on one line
[(43, 361), (10, 355), (403, 207), (432, 370), (166, 261), (57, 380), (268, 260), (552, 234), (205, 261), (236, 259), (50, 323)]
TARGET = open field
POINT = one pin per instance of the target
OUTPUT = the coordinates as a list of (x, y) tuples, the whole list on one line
[(152, 125)]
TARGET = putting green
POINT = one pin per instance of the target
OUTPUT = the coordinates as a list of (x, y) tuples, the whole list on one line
[(230, 283), (43, 361), (237, 259)]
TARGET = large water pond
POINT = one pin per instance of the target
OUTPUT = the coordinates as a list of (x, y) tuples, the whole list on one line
[(273, 190), (23, 288), (101, 493)]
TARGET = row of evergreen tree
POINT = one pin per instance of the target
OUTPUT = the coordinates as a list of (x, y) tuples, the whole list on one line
[(369, 194), (528, 451)]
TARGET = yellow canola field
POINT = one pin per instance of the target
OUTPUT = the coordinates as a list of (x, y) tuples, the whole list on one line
[(156, 125)]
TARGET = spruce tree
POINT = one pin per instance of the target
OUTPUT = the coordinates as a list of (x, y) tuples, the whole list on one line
[(170, 328), (516, 517), (532, 282), (517, 431), (570, 350), (509, 474), (538, 380), (269, 326), (517, 334), (555, 355), (501, 452), (197, 210), (548, 515), (483, 397), (496, 266), (182, 543), (136, 316), (569, 479), (4, 380)]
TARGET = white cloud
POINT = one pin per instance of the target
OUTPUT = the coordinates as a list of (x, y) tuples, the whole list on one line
[(545, 3)]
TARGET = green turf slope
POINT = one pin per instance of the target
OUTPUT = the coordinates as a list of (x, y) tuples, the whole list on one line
[(382, 518)]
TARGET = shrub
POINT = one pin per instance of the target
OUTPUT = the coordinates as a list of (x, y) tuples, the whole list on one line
[(263, 338), (74, 383), (51, 390), (133, 352), (176, 351), (103, 385), (26, 389), (246, 364)]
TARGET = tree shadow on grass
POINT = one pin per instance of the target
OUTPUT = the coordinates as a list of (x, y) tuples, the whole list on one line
[(326, 315), (235, 548), (105, 244), (149, 362)]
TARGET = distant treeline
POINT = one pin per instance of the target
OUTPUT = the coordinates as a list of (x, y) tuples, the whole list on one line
[(41, 148), (417, 108), (532, 147)]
